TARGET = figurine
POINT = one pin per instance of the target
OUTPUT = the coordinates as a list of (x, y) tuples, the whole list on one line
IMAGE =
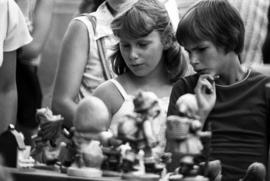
[(48, 141), (90, 120), (144, 154), (185, 133)]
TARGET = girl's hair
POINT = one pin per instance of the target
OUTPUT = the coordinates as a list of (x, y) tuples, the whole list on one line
[(141, 19), (213, 20)]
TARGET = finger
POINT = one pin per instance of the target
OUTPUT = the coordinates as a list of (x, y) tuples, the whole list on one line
[(203, 87)]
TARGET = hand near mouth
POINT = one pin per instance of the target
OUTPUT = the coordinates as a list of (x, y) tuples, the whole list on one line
[(205, 91)]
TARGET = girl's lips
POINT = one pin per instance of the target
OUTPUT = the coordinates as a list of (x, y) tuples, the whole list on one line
[(137, 65)]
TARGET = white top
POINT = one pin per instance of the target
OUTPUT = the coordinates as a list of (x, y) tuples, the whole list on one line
[(13, 30), (93, 72)]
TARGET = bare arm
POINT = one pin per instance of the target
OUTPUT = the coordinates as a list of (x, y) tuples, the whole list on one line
[(41, 24), (73, 59), (110, 96), (8, 91)]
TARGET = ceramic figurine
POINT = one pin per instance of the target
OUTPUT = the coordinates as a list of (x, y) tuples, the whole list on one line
[(90, 120)]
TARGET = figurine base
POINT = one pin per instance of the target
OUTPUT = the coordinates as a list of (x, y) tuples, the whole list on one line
[(138, 177), (84, 172), (181, 178), (108, 173)]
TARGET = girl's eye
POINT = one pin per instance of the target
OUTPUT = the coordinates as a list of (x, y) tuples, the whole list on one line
[(142, 45)]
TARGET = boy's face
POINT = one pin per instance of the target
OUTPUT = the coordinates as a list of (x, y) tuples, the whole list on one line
[(205, 57)]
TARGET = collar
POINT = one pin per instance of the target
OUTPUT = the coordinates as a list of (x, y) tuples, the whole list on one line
[(103, 21)]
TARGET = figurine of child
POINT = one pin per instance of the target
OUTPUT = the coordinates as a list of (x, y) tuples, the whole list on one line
[(186, 127), (184, 133), (90, 120), (140, 131)]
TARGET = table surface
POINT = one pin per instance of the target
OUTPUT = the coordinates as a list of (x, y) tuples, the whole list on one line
[(32, 174)]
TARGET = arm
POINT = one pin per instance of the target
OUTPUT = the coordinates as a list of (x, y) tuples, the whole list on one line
[(108, 93), (41, 24), (8, 91), (73, 58)]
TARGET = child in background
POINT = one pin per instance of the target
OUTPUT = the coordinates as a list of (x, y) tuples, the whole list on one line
[(13, 35)]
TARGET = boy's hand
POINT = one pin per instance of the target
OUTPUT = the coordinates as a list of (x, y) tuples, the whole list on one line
[(205, 91)]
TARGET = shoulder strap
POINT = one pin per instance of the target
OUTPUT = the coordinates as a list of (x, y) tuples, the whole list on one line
[(101, 50), (120, 88)]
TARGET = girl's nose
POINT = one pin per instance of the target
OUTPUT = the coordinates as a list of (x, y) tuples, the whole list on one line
[(133, 55)]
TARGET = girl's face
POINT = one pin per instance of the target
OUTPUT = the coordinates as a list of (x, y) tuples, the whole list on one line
[(205, 57), (142, 55)]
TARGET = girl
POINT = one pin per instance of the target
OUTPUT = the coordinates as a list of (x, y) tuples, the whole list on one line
[(147, 58), (80, 70)]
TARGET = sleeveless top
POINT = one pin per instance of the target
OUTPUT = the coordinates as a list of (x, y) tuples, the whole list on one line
[(93, 72), (158, 124)]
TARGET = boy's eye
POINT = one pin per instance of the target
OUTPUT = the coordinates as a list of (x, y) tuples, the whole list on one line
[(124, 45), (200, 49)]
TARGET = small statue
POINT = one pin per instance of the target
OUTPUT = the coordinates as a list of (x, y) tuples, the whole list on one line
[(50, 137), (184, 134), (255, 172), (137, 131), (90, 120)]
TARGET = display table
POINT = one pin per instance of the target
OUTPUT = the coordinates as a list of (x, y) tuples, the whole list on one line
[(46, 175)]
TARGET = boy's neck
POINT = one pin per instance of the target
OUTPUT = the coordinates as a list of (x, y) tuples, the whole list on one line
[(233, 72)]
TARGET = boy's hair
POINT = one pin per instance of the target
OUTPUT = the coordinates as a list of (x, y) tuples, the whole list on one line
[(213, 20), (140, 20)]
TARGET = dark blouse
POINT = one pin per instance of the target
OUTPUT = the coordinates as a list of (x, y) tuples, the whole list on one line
[(239, 122)]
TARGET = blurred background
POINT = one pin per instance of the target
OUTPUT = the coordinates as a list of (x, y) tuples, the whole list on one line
[(64, 11)]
